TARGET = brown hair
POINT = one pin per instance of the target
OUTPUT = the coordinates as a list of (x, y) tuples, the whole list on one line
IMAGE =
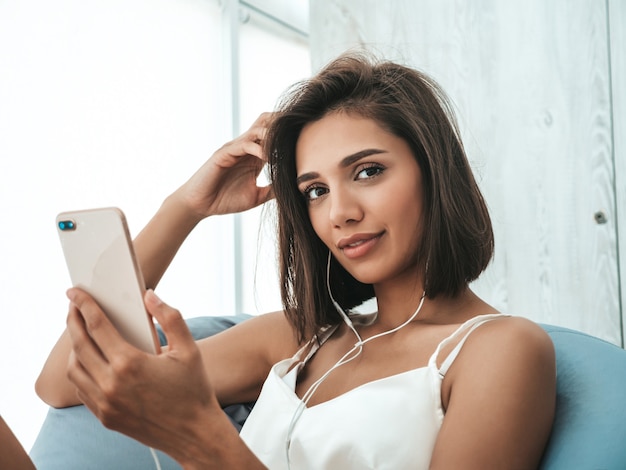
[(457, 237)]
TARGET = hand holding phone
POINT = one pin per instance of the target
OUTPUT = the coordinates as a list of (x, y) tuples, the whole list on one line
[(100, 258)]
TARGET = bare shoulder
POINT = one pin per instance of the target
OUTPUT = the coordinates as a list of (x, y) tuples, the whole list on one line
[(505, 376), (274, 330), (518, 339), (269, 335), (512, 351)]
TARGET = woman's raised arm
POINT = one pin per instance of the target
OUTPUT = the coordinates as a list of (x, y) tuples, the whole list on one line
[(226, 183)]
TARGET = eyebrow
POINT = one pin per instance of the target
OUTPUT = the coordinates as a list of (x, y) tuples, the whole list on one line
[(344, 163)]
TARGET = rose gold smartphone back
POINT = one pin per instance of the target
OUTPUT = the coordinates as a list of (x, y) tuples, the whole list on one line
[(99, 255)]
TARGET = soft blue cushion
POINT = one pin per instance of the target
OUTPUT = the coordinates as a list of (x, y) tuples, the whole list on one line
[(203, 327), (589, 430), (72, 438)]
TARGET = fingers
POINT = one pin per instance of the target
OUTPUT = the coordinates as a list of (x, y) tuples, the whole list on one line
[(84, 357), (266, 193), (90, 329), (98, 350), (263, 120), (250, 142), (101, 359), (85, 385), (228, 182), (82, 343), (176, 331), (259, 128)]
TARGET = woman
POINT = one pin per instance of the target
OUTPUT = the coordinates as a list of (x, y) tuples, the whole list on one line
[(375, 198)]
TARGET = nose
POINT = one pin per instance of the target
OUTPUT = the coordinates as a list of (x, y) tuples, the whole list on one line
[(344, 207)]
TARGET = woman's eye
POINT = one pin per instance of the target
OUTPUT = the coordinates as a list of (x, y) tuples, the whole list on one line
[(313, 192), (370, 171)]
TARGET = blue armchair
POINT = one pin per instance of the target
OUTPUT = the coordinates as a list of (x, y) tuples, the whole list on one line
[(589, 430)]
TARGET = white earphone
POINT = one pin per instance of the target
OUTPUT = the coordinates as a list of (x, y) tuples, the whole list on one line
[(347, 357)]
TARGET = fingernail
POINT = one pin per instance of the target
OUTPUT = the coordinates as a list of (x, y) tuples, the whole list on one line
[(152, 297), (71, 294)]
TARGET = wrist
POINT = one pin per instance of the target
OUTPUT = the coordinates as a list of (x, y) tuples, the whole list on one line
[(177, 208), (216, 445)]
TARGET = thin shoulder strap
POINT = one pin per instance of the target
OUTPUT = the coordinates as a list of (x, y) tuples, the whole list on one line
[(462, 332), (315, 343)]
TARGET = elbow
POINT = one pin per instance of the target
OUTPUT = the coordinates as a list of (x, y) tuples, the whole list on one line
[(53, 395), (43, 391)]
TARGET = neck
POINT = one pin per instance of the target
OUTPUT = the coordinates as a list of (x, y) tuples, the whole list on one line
[(395, 305)]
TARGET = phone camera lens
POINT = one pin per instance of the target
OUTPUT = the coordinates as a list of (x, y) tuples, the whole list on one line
[(67, 225)]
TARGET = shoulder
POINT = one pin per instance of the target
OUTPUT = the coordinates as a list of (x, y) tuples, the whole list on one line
[(505, 375), (508, 354), (267, 337), (511, 336), (273, 330)]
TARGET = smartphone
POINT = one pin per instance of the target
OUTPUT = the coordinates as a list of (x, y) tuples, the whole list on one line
[(100, 258)]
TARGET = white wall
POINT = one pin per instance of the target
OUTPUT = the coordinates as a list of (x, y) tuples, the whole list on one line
[(111, 102), (539, 96)]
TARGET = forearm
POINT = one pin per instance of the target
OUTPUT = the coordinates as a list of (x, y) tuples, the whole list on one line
[(159, 241)]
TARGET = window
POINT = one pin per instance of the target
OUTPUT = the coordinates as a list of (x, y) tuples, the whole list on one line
[(117, 102)]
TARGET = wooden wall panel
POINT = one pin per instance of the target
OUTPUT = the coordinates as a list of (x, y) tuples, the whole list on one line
[(617, 37), (531, 81)]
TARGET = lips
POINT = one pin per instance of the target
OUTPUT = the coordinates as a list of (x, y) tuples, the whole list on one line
[(359, 244)]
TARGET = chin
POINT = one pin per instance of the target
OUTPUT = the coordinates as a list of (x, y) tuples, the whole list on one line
[(377, 274), (366, 277)]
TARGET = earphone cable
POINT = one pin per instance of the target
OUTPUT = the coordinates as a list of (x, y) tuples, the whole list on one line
[(157, 464), (346, 358)]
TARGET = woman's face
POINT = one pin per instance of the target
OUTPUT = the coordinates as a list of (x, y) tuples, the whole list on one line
[(363, 188)]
